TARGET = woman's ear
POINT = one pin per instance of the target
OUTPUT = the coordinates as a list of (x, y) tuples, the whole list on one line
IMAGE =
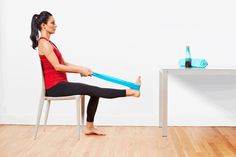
[(43, 25)]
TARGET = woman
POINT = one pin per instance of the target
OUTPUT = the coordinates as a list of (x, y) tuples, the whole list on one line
[(55, 69)]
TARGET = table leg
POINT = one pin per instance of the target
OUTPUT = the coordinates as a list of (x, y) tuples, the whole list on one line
[(160, 98), (164, 102)]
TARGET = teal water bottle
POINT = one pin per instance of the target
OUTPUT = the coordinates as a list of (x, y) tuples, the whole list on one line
[(188, 60)]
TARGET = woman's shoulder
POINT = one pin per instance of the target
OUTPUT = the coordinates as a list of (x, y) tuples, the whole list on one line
[(44, 45)]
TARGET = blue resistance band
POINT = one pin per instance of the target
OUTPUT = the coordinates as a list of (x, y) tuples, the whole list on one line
[(116, 80)]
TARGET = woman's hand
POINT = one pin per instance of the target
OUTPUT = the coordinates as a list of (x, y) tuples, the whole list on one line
[(86, 71)]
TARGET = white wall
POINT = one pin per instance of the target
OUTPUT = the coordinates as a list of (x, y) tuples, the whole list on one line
[(124, 38)]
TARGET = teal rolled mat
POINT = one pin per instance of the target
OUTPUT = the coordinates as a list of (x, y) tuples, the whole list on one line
[(196, 63), (116, 80)]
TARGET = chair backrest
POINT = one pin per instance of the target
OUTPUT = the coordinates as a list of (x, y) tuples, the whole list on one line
[(43, 83)]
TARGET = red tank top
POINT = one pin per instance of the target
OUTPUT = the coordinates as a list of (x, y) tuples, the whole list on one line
[(51, 76)]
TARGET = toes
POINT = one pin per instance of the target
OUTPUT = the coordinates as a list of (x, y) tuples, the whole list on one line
[(99, 132), (94, 132)]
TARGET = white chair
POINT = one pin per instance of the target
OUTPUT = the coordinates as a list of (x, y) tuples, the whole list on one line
[(80, 108)]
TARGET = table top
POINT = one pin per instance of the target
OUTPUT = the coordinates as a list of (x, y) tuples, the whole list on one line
[(212, 70), (207, 68)]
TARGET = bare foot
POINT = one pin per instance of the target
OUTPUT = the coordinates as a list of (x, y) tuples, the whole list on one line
[(138, 81), (133, 92), (93, 131), (137, 92)]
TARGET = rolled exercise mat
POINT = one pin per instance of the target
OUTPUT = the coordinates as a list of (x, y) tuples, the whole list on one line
[(195, 62), (116, 80)]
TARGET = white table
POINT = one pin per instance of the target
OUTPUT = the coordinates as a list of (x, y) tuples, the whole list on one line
[(163, 86)]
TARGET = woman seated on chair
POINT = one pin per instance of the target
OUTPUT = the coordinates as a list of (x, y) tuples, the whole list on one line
[(55, 69)]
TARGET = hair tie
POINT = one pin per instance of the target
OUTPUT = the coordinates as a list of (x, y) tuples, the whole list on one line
[(37, 16)]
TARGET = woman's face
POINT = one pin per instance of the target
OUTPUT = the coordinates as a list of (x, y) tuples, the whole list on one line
[(51, 26)]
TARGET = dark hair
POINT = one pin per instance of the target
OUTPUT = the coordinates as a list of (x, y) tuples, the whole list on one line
[(37, 20)]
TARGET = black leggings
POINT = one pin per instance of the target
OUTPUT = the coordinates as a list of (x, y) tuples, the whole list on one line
[(75, 88)]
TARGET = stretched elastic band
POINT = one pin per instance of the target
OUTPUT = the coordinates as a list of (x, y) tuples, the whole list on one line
[(116, 80)]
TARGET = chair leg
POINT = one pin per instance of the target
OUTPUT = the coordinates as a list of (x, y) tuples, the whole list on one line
[(78, 115), (82, 110), (40, 108), (47, 111)]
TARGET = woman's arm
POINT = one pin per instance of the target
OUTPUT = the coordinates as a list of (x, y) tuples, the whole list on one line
[(73, 65), (47, 50), (67, 63)]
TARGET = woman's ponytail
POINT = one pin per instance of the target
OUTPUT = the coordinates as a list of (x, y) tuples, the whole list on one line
[(34, 31)]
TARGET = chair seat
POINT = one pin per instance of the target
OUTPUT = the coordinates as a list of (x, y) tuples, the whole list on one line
[(61, 97)]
